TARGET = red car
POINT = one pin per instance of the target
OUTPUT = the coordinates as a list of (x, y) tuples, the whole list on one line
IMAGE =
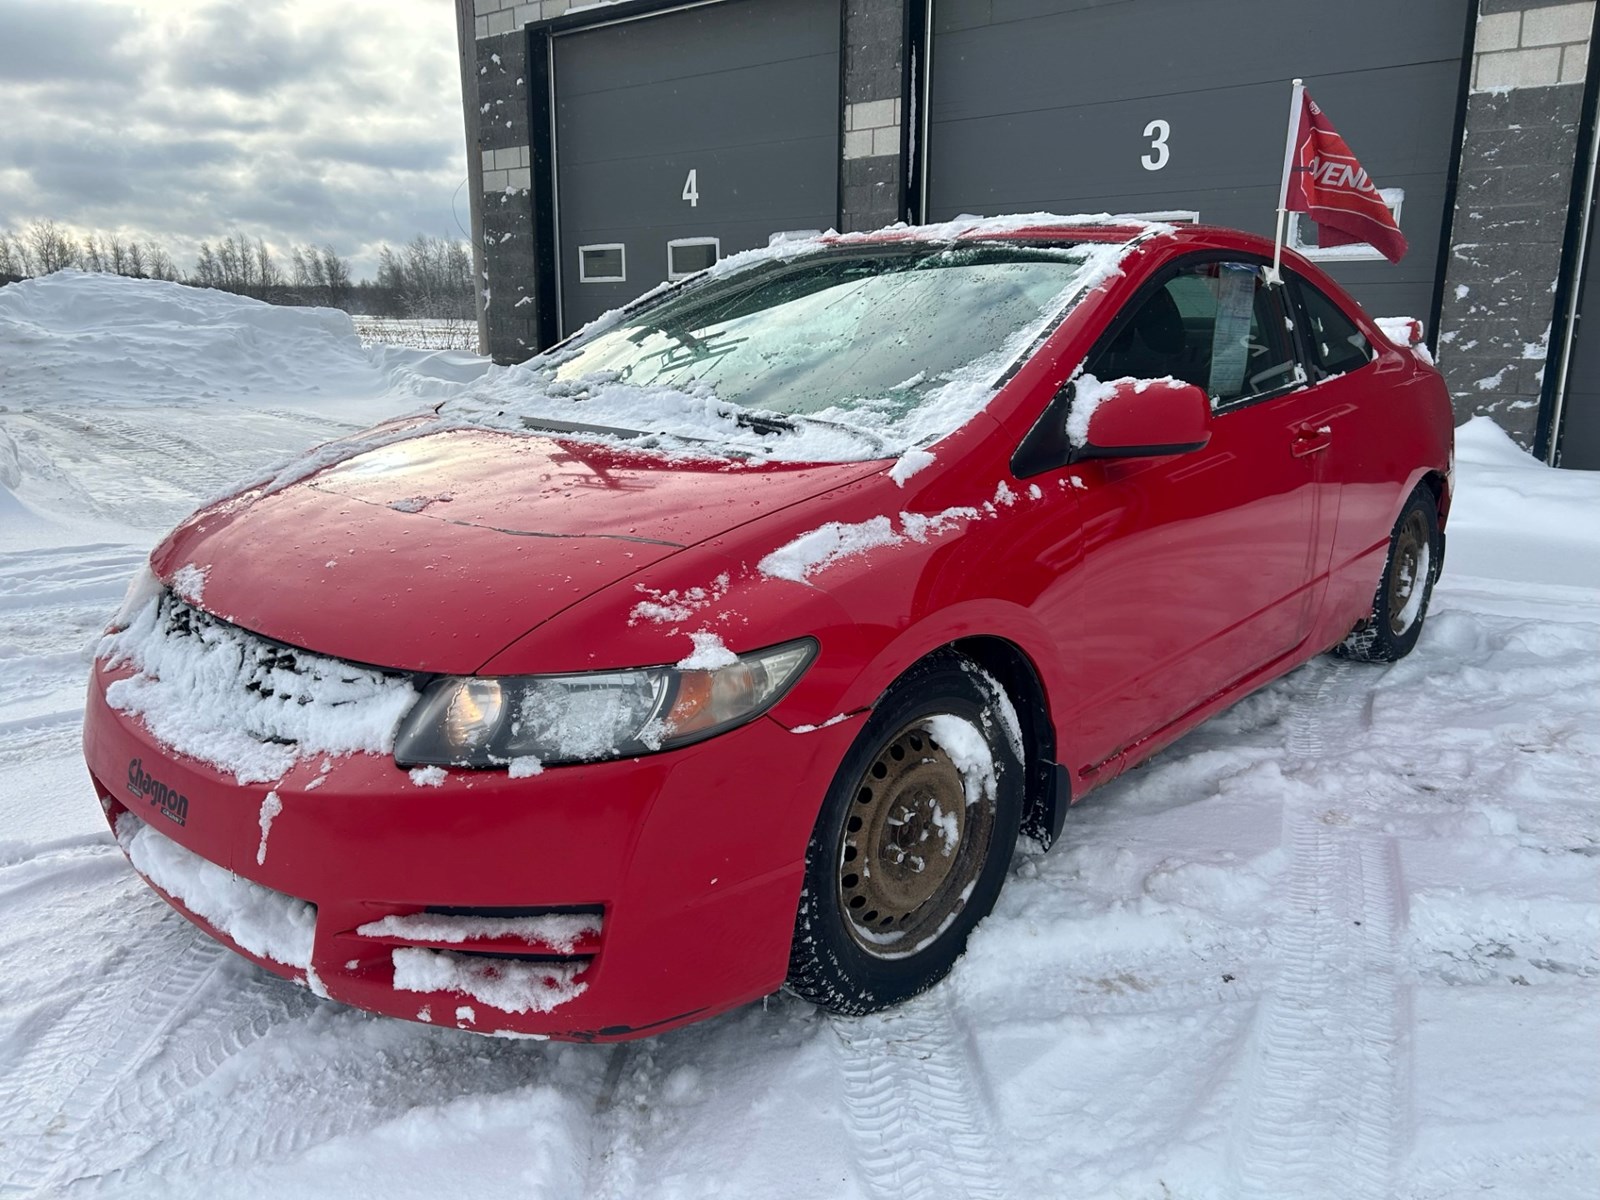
[(732, 643)]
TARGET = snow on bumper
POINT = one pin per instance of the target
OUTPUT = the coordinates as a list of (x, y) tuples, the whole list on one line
[(590, 902)]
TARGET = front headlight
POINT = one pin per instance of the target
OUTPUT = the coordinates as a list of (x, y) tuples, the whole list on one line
[(487, 721)]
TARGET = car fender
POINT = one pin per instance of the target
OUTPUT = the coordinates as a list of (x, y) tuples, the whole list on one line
[(886, 662)]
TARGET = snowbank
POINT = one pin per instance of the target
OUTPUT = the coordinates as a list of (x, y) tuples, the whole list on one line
[(74, 338), (1515, 518)]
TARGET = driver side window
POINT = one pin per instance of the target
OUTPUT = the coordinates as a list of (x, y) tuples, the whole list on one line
[(1213, 324)]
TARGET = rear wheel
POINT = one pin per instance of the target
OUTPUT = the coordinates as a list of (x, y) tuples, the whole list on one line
[(913, 840), (1391, 630)]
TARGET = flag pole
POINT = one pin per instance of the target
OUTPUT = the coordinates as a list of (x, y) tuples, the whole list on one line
[(1283, 186)]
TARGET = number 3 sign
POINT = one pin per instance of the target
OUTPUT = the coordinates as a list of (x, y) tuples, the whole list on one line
[(1157, 131)]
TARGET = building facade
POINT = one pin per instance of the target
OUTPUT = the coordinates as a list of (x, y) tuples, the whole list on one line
[(619, 145)]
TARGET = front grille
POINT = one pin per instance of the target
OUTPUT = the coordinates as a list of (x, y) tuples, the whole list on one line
[(248, 704), (267, 668)]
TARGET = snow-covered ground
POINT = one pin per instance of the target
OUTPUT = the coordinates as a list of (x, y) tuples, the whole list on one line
[(1343, 941), (420, 333)]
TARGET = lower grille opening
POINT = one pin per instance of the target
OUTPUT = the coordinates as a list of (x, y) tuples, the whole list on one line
[(528, 933), (545, 910), (508, 983), (582, 960)]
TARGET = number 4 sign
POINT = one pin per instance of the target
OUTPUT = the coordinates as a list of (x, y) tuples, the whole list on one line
[(691, 189)]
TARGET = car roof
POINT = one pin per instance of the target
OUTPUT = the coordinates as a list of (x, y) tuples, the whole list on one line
[(1046, 227)]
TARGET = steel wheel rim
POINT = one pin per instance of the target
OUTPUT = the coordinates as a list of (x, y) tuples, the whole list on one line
[(1408, 577), (911, 846)]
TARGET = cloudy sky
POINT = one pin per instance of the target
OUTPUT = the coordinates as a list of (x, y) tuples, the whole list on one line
[(322, 121)]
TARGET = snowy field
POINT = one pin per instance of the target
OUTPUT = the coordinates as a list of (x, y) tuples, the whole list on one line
[(1343, 941), (419, 333)]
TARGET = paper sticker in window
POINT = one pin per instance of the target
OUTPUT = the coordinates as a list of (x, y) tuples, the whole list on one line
[(1230, 337)]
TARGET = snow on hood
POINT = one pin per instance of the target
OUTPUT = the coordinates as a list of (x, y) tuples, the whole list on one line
[(82, 338)]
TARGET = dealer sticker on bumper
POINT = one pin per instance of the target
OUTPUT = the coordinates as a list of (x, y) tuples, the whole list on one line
[(172, 803)]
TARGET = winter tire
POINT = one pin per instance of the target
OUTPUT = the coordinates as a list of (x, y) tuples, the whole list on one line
[(913, 840), (1390, 631)]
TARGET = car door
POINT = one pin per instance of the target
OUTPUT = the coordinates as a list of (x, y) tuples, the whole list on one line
[(1353, 388), (1196, 569)]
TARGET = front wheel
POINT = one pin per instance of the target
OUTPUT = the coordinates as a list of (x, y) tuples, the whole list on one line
[(913, 840), (1390, 631)]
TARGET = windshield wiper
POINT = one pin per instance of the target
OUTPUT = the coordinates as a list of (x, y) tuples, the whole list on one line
[(877, 440), (761, 422), (555, 426), (767, 422)]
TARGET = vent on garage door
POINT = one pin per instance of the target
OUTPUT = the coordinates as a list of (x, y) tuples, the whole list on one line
[(602, 263), (685, 256)]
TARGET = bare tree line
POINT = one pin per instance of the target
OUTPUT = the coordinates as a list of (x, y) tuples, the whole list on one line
[(431, 277), (427, 277), (44, 248)]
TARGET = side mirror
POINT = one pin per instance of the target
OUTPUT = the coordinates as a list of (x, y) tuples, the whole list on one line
[(1406, 332), (1134, 418)]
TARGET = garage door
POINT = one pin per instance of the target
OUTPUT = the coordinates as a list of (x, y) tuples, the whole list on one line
[(1080, 106), (687, 136), (1580, 411)]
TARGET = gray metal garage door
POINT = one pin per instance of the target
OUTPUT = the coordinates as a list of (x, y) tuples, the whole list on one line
[(1580, 410), (687, 136), (1086, 106)]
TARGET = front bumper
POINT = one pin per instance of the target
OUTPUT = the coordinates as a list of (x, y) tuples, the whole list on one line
[(692, 861)]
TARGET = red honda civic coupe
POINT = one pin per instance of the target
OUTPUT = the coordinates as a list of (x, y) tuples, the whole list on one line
[(732, 643)]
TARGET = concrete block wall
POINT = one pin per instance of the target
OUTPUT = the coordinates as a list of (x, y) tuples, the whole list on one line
[(1517, 160), (871, 171), (507, 199), (494, 17)]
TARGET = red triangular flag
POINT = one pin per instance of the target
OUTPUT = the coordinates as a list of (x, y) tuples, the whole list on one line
[(1328, 185)]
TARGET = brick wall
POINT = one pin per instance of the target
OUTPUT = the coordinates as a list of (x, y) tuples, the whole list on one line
[(1517, 159)]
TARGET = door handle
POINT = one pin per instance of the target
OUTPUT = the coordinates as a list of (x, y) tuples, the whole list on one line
[(1311, 439)]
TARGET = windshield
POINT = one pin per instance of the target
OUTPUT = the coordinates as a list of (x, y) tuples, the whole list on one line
[(844, 354)]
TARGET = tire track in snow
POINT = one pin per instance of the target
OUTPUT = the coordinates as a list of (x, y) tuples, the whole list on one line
[(1321, 1091), (308, 420), (92, 573), (921, 1130), (123, 461), (621, 1109), (52, 1102), (53, 603), (145, 1114)]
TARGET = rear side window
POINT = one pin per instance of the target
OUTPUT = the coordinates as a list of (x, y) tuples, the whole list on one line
[(1213, 324), (1336, 345)]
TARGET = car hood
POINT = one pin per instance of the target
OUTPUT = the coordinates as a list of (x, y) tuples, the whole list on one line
[(434, 552)]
